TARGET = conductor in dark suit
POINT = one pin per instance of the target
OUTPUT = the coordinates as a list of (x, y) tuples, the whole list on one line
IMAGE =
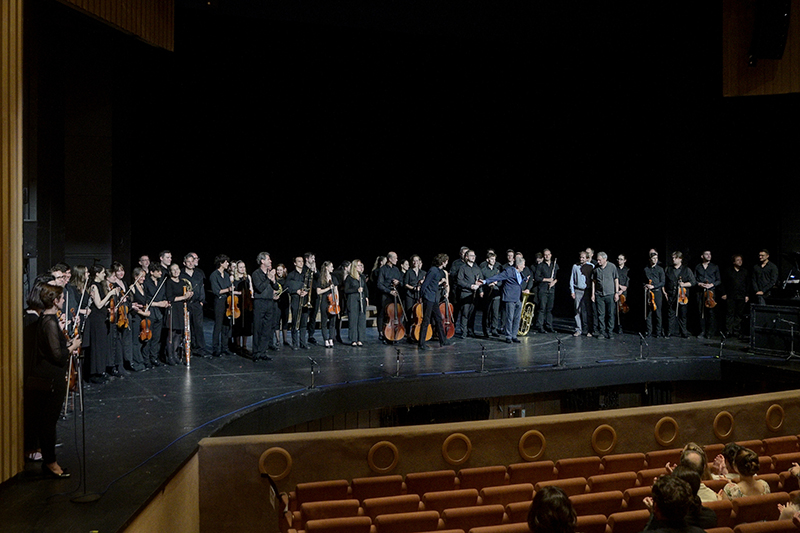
[(512, 282)]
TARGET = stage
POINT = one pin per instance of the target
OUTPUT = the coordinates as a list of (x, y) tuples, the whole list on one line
[(141, 427)]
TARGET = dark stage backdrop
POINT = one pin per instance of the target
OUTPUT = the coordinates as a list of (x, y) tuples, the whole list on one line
[(507, 127)]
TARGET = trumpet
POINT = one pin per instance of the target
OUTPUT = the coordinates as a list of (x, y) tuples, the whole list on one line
[(526, 316)]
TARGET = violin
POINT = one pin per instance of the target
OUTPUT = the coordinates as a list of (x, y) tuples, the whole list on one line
[(233, 311), (622, 304), (333, 302), (683, 299), (393, 329), (708, 299), (651, 297), (145, 333)]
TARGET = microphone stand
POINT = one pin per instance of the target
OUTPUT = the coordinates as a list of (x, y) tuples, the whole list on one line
[(397, 371), (721, 344), (559, 362), (643, 342), (483, 358), (313, 381)]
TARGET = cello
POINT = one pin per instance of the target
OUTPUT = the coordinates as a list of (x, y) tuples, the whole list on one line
[(418, 314), (446, 309), (393, 329)]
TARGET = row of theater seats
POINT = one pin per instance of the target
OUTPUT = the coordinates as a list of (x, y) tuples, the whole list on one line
[(500, 495)]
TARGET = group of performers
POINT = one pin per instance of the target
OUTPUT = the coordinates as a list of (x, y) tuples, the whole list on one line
[(158, 317)]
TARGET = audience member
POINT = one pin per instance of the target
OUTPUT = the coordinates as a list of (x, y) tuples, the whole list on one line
[(551, 512), (747, 465), (669, 504)]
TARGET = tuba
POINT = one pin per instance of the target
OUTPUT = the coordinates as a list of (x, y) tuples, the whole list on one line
[(526, 316)]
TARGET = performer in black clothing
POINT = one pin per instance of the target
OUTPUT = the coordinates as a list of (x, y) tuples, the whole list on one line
[(546, 276), (764, 277), (265, 310), (222, 288), (310, 264), (708, 283), (678, 276), (178, 291), (624, 281), (45, 385), (339, 276), (357, 294), (299, 285), (243, 327), (435, 280), (328, 294), (490, 298), (97, 325), (388, 284), (121, 340), (154, 292), (138, 312), (467, 281), (653, 290), (412, 280), (736, 287), (197, 277)]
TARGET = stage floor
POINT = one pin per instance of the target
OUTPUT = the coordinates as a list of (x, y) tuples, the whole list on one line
[(141, 427)]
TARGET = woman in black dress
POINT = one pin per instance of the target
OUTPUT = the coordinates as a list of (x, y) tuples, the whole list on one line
[(243, 287), (46, 384), (327, 288), (97, 326)]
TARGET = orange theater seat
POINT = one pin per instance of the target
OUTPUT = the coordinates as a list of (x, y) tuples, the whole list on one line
[(531, 472), (445, 499), (595, 523), (629, 521), (520, 492), (467, 518), (778, 445), (483, 476), (578, 467), (518, 511), (328, 509), (623, 462), (572, 486), (520, 527), (783, 461), (407, 522), (634, 498), (362, 488), (757, 508), (647, 476), (723, 508), (435, 480), (404, 503), (605, 503), (354, 524), (617, 481), (314, 491), (772, 526), (659, 458)]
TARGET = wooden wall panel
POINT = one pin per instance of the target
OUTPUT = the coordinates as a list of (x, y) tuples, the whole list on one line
[(11, 302), (153, 21), (768, 76)]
